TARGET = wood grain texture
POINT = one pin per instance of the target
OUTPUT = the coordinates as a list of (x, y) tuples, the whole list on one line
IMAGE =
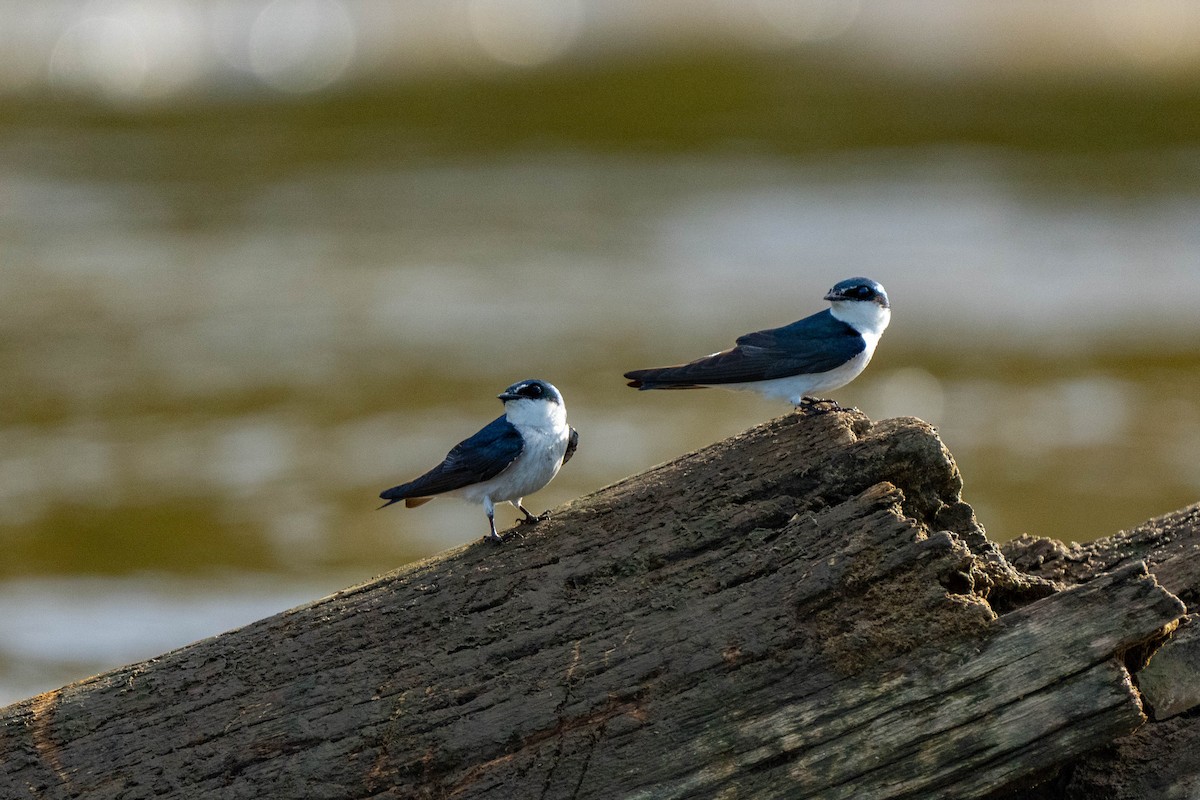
[(805, 610), (1170, 683), (1170, 546), (1161, 759)]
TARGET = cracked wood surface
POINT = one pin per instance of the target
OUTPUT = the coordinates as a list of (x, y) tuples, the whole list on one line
[(805, 610), (1161, 759)]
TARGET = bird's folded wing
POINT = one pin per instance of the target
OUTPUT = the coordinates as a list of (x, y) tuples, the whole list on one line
[(572, 443), (815, 344), (485, 455)]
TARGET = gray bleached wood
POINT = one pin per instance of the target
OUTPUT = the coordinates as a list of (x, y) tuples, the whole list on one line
[(1161, 759), (1170, 683), (805, 610)]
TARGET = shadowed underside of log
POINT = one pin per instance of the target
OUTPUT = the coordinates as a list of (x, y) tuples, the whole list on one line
[(805, 610)]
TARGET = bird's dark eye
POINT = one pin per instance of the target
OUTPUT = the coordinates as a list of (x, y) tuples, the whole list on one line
[(862, 292), (531, 390)]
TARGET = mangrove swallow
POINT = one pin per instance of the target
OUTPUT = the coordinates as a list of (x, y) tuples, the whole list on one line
[(513, 456), (816, 354)]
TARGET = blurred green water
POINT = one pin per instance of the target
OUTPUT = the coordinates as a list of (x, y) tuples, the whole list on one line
[(225, 327)]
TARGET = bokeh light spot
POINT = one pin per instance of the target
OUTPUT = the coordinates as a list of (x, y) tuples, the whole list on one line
[(302, 45), (102, 54), (525, 32)]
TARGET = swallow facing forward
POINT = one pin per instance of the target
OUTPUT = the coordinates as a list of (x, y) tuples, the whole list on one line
[(513, 456), (816, 354)]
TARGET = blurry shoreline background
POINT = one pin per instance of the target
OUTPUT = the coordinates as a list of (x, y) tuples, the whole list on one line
[(261, 260)]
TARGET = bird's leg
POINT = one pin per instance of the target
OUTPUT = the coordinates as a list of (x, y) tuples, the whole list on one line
[(493, 537), (530, 517)]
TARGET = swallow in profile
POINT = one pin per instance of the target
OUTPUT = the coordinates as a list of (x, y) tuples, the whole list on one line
[(512, 456), (819, 353)]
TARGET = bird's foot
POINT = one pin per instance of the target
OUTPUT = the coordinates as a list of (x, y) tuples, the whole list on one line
[(817, 405), (531, 518), (510, 534)]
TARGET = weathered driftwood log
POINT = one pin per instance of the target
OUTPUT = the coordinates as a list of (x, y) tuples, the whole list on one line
[(1161, 759), (805, 610)]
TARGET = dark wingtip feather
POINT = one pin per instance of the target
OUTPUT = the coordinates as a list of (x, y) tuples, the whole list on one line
[(660, 378), (640, 378), (393, 495)]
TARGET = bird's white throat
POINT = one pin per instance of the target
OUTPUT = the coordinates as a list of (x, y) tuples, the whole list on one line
[(542, 414), (869, 319)]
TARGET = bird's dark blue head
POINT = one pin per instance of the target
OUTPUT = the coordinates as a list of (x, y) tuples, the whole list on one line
[(859, 289), (531, 389)]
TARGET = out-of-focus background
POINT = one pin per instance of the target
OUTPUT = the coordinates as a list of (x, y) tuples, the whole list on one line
[(261, 260)]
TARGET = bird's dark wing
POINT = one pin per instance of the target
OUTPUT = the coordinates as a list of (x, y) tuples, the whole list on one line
[(572, 443), (814, 344), (485, 455)]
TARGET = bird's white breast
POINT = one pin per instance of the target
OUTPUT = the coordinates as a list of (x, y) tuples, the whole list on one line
[(537, 465), (543, 427)]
